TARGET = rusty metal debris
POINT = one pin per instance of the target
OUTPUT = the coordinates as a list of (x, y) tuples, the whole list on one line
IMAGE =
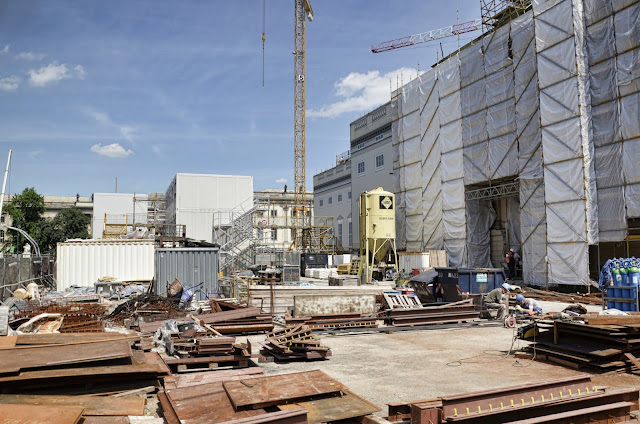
[(568, 400), (294, 343)]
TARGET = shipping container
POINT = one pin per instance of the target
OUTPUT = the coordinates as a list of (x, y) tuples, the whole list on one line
[(472, 280), (413, 260), (192, 266), (83, 262), (192, 200)]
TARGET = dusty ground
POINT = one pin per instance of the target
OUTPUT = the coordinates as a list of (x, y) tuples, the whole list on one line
[(412, 365)]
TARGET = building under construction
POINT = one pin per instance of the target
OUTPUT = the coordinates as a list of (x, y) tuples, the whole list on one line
[(528, 138)]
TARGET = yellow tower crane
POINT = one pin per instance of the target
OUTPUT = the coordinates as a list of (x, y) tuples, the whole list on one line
[(301, 217)]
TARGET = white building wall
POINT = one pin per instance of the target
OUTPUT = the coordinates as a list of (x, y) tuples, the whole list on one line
[(329, 186), (192, 200), (372, 177), (115, 204)]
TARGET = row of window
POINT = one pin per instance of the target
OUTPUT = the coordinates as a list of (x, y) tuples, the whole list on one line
[(350, 232), (379, 164), (330, 199)]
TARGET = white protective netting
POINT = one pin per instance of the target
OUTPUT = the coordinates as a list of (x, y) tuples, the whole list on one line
[(398, 171), (563, 159), (432, 225), (412, 172), (453, 201), (533, 224), (552, 99)]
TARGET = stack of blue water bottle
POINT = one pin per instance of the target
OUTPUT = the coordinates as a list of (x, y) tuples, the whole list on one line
[(625, 278)]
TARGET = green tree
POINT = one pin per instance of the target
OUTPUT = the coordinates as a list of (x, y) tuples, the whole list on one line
[(26, 211), (68, 224)]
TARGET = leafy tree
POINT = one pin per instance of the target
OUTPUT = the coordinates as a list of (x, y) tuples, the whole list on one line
[(69, 223), (26, 211)]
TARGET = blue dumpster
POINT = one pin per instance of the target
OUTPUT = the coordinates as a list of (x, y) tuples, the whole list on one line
[(472, 280)]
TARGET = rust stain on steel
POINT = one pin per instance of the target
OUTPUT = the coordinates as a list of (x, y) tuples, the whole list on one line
[(296, 415), (335, 407), (206, 403), (34, 414), (277, 388), (93, 405), (51, 355)]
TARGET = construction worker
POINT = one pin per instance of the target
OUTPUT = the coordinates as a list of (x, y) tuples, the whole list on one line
[(495, 300), (510, 259), (527, 306)]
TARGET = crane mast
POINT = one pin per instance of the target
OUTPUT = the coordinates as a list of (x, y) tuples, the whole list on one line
[(303, 11)]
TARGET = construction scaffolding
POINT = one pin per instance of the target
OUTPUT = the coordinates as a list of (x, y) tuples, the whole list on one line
[(563, 79)]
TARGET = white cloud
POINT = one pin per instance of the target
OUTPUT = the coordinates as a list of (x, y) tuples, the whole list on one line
[(53, 73), (34, 154), (114, 150), (126, 132), (281, 181), (361, 92), (5, 49), (9, 83), (30, 56)]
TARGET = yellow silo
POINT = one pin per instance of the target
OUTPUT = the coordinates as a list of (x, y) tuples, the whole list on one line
[(377, 229)]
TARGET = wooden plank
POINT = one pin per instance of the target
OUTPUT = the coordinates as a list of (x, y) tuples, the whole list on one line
[(263, 391), (205, 403), (334, 408), (93, 405), (39, 414), (48, 356)]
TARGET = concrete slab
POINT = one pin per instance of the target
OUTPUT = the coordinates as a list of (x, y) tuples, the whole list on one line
[(412, 365)]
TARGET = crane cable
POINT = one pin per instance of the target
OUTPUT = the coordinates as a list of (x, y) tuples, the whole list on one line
[(264, 8)]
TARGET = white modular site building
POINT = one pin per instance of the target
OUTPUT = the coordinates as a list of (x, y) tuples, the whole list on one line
[(535, 124)]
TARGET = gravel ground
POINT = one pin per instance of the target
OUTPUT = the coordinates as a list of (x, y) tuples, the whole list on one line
[(412, 365)]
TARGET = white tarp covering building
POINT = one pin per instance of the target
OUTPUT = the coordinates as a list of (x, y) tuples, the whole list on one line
[(543, 112)]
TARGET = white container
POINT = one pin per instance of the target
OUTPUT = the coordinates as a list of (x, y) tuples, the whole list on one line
[(413, 260), (192, 200), (83, 262)]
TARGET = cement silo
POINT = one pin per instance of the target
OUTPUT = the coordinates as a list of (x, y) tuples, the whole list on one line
[(377, 232)]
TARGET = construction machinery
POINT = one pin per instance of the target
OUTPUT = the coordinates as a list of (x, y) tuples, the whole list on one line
[(377, 234)]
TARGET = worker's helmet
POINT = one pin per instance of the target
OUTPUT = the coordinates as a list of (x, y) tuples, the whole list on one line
[(510, 250), (519, 298), (506, 286)]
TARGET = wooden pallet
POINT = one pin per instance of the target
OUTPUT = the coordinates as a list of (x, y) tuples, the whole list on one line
[(402, 301)]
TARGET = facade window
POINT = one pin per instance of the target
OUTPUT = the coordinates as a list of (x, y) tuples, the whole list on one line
[(360, 146), (274, 212), (349, 196), (339, 198), (274, 235), (379, 137), (379, 161), (350, 225), (340, 232), (1, 236), (330, 200), (360, 168), (321, 202)]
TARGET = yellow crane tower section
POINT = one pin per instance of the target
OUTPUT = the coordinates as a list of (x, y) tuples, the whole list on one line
[(303, 12)]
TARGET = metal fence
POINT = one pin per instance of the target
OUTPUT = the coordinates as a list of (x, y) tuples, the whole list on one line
[(16, 271)]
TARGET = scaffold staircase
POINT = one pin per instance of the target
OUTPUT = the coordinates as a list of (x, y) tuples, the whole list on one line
[(235, 233)]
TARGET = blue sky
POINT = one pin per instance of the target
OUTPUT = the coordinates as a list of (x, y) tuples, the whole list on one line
[(91, 91)]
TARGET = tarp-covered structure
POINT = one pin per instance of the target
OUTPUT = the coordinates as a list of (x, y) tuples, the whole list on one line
[(550, 100)]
